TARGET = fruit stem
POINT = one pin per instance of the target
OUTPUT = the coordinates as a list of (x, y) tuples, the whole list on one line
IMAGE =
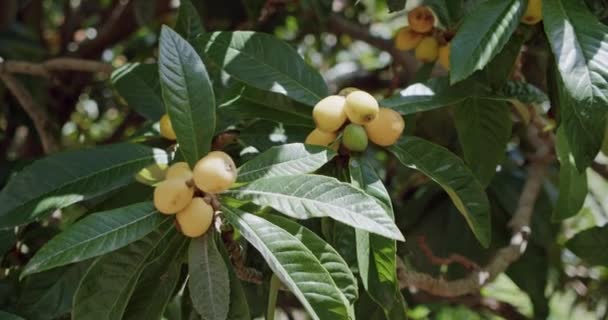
[(275, 284)]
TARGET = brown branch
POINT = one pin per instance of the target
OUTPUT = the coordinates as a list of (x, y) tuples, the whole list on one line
[(45, 68), (452, 258), (520, 224), (46, 128), (600, 169)]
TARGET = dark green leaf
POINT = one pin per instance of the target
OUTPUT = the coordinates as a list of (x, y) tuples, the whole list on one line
[(189, 24), (293, 264), (95, 235), (484, 129), (500, 69), (482, 35), (453, 176), (188, 95), (314, 196), (8, 238), (65, 178), (239, 308), (253, 58), (590, 245), (395, 5), (9, 316), (572, 184), (420, 97), (139, 85), (286, 160), (209, 282)]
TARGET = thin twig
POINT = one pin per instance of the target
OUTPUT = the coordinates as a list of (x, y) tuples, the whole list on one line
[(45, 68), (452, 258)]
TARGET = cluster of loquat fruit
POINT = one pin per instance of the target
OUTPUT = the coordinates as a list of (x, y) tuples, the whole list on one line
[(420, 34), (189, 194), (357, 115)]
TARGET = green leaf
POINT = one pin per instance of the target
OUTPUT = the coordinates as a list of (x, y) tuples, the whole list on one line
[(9, 316), (419, 97), (579, 45), (293, 264), (109, 283), (376, 255), (453, 176), (95, 235), (265, 134), (572, 184), (285, 160), (239, 308), (395, 5), (246, 102), (329, 258), (139, 85), (314, 196), (188, 24), (8, 238), (65, 178), (188, 95), (500, 69), (209, 282), (484, 129), (523, 92), (49, 295), (158, 281), (482, 35), (590, 245), (252, 58)]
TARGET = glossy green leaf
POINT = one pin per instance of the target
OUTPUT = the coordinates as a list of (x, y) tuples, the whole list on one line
[(188, 95), (329, 258), (293, 263), (453, 176), (484, 129), (65, 178), (419, 97), (139, 85), (315, 196), (376, 256), (482, 35), (572, 184), (209, 281), (285, 160), (158, 281), (188, 24), (580, 48), (590, 245), (95, 235), (500, 69), (109, 283), (253, 58)]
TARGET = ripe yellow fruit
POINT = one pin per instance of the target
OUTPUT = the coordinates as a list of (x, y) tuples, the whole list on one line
[(346, 91), (179, 170), (171, 196), (427, 50), (329, 113), (444, 56), (166, 128), (534, 12), (322, 138), (215, 172), (196, 218), (386, 129), (421, 19), (407, 39), (361, 107)]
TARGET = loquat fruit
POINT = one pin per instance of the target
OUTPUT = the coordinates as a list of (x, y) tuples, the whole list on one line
[(407, 39), (329, 114), (196, 218), (361, 107), (421, 19), (171, 196), (386, 129), (321, 138), (215, 172), (166, 128), (427, 50)]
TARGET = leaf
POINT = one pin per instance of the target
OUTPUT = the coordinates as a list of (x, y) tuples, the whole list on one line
[(314, 196), (49, 295), (188, 95), (572, 184), (419, 97), (239, 308), (500, 69), (158, 282), (523, 92), (95, 235), (209, 282), (265, 134), (285, 160), (484, 129), (395, 5), (9, 316), (482, 35), (188, 24), (139, 85), (579, 46), (376, 255), (246, 102), (293, 264), (590, 245), (453, 176), (8, 238), (62, 179), (106, 288), (252, 58), (329, 258)]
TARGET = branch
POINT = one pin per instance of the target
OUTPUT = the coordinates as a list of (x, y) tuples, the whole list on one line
[(452, 258), (45, 68), (46, 128), (600, 169), (475, 302), (520, 224)]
